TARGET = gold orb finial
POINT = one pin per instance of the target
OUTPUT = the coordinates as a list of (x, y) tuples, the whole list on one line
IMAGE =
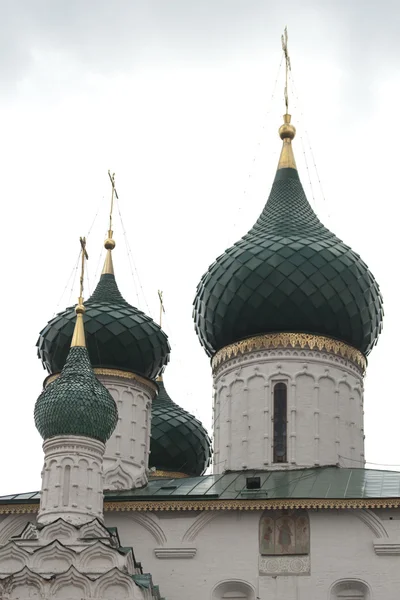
[(109, 244), (287, 131), (79, 308)]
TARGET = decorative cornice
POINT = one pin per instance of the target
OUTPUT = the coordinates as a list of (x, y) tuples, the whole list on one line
[(289, 340), (158, 474), (387, 546), (222, 505), (175, 552), (117, 373)]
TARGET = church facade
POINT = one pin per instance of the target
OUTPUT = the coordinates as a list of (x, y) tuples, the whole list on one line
[(288, 316)]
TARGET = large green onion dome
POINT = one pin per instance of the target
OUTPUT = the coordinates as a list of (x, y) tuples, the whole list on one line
[(118, 335), (289, 273), (76, 403), (179, 444)]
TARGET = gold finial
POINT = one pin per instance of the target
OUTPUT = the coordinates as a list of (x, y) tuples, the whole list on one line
[(286, 131), (162, 310), (78, 338), (109, 244), (284, 39)]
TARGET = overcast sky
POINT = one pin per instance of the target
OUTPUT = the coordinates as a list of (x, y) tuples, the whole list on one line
[(181, 99)]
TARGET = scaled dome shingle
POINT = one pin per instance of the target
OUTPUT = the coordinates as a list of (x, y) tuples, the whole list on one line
[(76, 403), (179, 442), (289, 273), (118, 335)]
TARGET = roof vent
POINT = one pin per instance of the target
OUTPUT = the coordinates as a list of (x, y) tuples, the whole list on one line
[(253, 483)]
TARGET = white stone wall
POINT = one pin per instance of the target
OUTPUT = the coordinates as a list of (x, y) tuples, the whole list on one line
[(62, 561), (126, 457), (72, 480), (198, 554), (325, 422), (204, 555)]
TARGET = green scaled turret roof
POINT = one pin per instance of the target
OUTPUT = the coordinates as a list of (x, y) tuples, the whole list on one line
[(118, 335), (179, 442), (76, 403), (289, 273)]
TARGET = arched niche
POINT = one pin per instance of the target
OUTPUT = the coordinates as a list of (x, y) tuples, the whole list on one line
[(351, 589), (233, 590)]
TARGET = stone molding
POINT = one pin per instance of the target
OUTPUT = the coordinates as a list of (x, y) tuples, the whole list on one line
[(386, 546), (290, 354), (289, 340), (175, 552), (224, 505), (284, 565)]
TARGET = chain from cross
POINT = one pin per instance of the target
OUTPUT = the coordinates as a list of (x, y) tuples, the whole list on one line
[(162, 309), (84, 256), (284, 39), (113, 192)]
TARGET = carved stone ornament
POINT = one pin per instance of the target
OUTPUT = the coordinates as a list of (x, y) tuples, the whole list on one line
[(284, 565), (289, 340)]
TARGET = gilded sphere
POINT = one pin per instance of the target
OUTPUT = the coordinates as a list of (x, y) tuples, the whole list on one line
[(287, 131), (80, 309), (109, 244)]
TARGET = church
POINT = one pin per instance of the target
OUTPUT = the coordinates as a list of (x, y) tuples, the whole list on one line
[(137, 502)]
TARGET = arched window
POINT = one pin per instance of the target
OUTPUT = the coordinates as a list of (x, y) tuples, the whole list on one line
[(233, 590), (350, 590), (280, 423)]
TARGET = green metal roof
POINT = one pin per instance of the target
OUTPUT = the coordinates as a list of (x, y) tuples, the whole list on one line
[(318, 483)]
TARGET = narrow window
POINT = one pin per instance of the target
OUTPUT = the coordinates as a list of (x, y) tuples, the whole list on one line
[(66, 485), (280, 423)]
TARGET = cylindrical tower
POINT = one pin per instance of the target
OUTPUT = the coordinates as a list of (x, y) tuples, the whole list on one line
[(288, 315), (128, 350), (75, 415)]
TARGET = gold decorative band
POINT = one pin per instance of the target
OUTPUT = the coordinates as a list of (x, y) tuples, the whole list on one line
[(167, 474), (289, 340), (216, 505), (112, 373)]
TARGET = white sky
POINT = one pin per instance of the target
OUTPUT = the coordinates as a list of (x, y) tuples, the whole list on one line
[(175, 97)]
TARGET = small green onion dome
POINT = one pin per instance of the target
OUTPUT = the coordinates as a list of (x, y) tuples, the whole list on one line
[(289, 273), (118, 336), (76, 403), (179, 443)]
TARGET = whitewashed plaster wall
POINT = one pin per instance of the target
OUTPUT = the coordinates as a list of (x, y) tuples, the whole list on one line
[(126, 457), (72, 480), (325, 418), (190, 554)]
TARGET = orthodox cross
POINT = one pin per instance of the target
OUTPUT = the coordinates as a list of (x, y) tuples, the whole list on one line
[(162, 309), (84, 255), (113, 192), (284, 39)]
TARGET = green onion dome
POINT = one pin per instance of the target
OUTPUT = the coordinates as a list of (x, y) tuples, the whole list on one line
[(179, 444), (289, 273), (76, 403), (118, 336)]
